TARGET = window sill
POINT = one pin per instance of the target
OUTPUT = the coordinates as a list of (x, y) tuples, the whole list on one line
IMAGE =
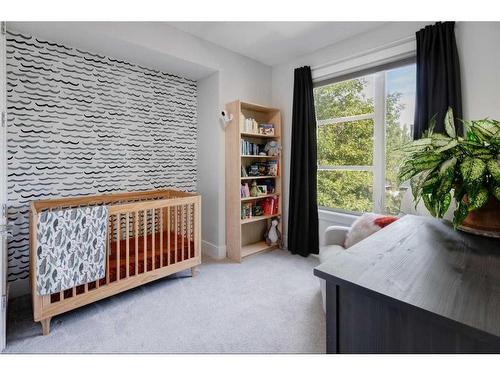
[(334, 217)]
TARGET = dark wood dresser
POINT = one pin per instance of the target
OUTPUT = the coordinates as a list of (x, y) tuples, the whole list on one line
[(416, 286)]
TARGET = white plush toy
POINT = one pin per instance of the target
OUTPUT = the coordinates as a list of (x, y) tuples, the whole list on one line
[(365, 226), (273, 234), (272, 148)]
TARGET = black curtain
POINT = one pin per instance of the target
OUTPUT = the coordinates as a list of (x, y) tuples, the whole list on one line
[(438, 77), (303, 236)]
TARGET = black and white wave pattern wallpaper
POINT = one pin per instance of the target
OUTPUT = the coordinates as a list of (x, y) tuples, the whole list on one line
[(79, 123)]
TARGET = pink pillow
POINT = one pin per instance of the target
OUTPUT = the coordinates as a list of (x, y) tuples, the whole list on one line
[(366, 225)]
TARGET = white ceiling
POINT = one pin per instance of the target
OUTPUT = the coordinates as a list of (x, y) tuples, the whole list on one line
[(274, 42)]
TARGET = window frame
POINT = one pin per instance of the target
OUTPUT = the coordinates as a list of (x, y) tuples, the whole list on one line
[(379, 130)]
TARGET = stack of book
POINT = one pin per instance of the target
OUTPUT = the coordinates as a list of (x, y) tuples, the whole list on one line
[(249, 148), (249, 125), (270, 205)]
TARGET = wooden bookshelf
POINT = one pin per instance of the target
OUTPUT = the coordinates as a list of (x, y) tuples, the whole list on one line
[(245, 237)]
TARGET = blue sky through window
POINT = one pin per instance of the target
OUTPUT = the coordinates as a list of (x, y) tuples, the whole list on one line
[(403, 80)]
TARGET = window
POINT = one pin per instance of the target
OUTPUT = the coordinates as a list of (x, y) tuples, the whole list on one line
[(361, 124)]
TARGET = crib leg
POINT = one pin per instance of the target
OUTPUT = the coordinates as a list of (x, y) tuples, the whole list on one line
[(193, 271), (45, 326)]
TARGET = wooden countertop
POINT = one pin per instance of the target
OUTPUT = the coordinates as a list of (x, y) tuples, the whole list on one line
[(423, 262)]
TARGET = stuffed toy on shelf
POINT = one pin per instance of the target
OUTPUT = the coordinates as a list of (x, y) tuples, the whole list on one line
[(272, 148)]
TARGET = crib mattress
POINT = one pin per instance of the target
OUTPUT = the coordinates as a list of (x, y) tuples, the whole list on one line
[(184, 250)]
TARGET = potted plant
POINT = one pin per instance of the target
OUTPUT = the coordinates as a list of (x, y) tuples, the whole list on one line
[(445, 166)]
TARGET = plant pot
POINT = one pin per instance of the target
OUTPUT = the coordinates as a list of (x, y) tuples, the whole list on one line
[(485, 221)]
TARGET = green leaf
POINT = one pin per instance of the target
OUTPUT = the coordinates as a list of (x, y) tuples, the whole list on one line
[(444, 204), (432, 125), (429, 204), (478, 199), (447, 166), (429, 185), (417, 146), (460, 214), (416, 183), (450, 145), (495, 190), (472, 170), (482, 153), (493, 167), (485, 129), (449, 123), (406, 171), (426, 161)]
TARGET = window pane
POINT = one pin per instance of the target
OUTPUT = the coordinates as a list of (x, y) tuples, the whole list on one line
[(342, 99), (345, 190), (400, 102), (346, 143)]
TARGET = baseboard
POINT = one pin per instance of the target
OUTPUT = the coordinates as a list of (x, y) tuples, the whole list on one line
[(213, 251)]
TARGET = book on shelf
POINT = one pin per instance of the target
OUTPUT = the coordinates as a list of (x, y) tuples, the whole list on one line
[(250, 148), (270, 205), (245, 190), (249, 125)]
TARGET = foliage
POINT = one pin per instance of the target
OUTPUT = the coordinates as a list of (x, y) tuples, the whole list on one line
[(352, 144), (439, 165)]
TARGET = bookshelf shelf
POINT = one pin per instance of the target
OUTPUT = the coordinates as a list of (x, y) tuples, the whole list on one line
[(254, 248), (246, 236), (259, 177), (260, 156), (257, 135), (258, 218), (249, 199)]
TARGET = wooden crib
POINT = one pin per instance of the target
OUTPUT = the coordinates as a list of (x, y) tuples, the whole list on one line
[(151, 234)]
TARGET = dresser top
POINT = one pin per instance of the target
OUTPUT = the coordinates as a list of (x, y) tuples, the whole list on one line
[(423, 262)]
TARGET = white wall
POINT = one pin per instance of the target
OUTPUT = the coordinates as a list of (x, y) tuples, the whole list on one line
[(479, 52), (208, 105), (479, 55)]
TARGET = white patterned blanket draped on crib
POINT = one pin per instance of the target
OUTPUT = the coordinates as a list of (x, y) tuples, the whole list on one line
[(71, 248)]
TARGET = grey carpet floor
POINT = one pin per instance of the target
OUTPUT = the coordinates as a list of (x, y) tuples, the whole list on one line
[(270, 303)]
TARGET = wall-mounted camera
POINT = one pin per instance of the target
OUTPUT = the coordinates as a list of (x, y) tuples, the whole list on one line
[(226, 118)]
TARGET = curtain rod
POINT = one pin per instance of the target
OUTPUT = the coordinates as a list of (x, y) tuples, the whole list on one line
[(370, 51)]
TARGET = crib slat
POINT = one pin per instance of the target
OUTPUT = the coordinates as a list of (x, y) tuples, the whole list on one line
[(183, 227), (108, 255), (168, 236), (153, 227), (144, 235), (127, 245), (175, 234), (189, 217), (136, 231), (161, 237), (118, 225)]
